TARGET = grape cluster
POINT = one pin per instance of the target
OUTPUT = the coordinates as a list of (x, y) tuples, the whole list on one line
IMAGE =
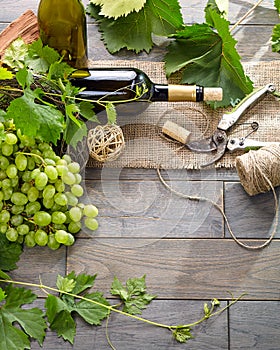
[(40, 192)]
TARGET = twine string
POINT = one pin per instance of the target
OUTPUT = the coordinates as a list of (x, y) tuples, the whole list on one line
[(261, 172)]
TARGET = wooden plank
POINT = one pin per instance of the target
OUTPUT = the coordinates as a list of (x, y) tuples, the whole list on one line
[(149, 210), (254, 325), (127, 334), (40, 263), (181, 268), (249, 217)]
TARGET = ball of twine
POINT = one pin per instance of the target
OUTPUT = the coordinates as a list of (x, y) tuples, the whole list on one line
[(259, 171), (105, 142)]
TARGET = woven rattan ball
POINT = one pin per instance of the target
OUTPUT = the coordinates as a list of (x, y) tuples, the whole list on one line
[(105, 142)]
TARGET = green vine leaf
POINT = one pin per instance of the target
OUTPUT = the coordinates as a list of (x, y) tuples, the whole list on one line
[(115, 9), (5, 74), (9, 254), (133, 295), (34, 119), (15, 54), (209, 58), (60, 309), (31, 321), (134, 32), (182, 335)]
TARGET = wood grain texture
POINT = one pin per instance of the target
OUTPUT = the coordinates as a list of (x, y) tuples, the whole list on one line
[(181, 268)]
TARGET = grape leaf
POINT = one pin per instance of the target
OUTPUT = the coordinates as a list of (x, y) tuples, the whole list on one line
[(133, 294), (115, 9), (35, 119), (9, 254), (134, 32), (60, 309), (5, 74), (275, 38), (15, 54), (31, 321), (182, 335), (40, 57), (209, 58)]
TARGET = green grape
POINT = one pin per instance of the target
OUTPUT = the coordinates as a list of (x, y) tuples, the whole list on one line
[(12, 234), (3, 174), (11, 139), (37, 160), (78, 178), (58, 217), (90, 210), (20, 239), (42, 218), (68, 178), (23, 229), (48, 203), (17, 209), (11, 171), (60, 199), (41, 180), (6, 183), (25, 187), (15, 182), (61, 169), (61, 236), (16, 220), (91, 223), (19, 198), (49, 161), (44, 146), (49, 192), (32, 208), (41, 237), (1, 196), (74, 227), (77, 190), (67, 158), (70, 240), (4, 216), (3, 228), (7, 149), (35, 173), (7, 193), (51, 172), (30, 163), (59, 185), (26, 176), (33, 194), (75, 214), (74, 167), (21, 162), (52, 242), (62, 162), (72, 200), (4, 162), (60, 227), (29, 239)]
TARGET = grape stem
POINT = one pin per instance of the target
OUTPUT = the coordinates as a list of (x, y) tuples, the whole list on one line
[(33, 154), (114, 309)]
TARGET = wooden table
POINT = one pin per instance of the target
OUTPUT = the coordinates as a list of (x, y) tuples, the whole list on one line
[(182, 247)]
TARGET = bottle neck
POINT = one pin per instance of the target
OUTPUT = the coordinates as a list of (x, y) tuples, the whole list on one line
[(177, 93)]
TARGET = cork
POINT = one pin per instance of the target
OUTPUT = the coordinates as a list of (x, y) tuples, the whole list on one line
[(176, 132), (213, 94)]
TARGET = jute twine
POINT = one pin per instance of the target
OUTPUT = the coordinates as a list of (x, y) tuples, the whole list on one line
[(105, 142), (259, 171)]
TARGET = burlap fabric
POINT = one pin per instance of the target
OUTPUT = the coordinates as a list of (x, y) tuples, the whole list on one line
[(145, 146)]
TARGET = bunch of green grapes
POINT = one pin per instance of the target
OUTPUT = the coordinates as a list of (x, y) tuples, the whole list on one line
[(40, 192)]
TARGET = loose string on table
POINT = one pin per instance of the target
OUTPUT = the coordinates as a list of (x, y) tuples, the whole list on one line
[(259, 171)]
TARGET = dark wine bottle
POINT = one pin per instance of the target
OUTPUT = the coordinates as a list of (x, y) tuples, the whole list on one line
[(62, 25), (130, 84)]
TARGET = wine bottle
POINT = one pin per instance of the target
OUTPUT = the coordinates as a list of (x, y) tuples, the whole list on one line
[(132, 84), (62, 25)]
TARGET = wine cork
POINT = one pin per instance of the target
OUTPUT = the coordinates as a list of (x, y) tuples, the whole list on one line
[(176, 132), (213, 94)]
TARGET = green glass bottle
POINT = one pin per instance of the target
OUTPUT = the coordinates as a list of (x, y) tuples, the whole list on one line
[(62, 26)]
